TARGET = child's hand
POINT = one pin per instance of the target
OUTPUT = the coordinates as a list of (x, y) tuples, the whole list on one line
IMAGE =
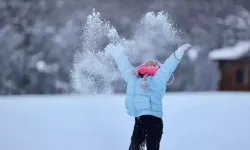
[(115, 49), (109, 48), (181, 50), (184, 47), (112, 35)]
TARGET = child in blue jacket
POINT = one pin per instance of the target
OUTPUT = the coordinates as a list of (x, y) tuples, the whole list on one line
[(145, 104)]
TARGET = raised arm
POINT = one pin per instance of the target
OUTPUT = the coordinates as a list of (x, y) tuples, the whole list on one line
[(164, 73), (117, 52)]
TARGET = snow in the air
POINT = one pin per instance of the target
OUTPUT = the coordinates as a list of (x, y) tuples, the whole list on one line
[(231, 53), (192, 121), (93, 64), (193, 53)]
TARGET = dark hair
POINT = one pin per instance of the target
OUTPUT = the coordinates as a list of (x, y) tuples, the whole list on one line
[(139, 75)]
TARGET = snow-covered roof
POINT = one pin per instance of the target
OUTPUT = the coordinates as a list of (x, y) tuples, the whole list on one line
[(231, 53)]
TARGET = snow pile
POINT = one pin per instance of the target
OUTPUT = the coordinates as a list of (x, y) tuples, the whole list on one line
[(231, 53), (192, 121), (94, 71)]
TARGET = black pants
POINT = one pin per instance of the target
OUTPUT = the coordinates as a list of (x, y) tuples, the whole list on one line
[(147, 131)]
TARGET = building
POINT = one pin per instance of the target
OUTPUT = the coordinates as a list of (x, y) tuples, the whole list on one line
[(234, 65)]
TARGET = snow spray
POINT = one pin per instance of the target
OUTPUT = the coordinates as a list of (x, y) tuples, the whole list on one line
[(94, 71)]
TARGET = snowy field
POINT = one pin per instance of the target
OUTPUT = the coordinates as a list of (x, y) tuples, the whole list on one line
[(192, 121)]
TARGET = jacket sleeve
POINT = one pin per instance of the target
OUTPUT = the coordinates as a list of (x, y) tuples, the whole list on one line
[(124, 66), (164, 73)]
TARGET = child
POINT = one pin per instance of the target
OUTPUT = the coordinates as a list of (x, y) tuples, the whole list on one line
[(145, 103)]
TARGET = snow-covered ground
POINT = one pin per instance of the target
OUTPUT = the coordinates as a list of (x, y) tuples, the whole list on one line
[(192, 121)]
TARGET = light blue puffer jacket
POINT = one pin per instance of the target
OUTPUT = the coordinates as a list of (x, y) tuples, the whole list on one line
[(144, 101)]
